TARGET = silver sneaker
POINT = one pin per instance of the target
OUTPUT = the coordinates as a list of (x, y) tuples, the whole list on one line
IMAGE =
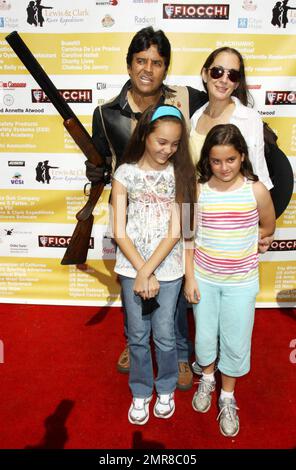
[(164, 406), (139, 410), (203, 396), (229, 420)]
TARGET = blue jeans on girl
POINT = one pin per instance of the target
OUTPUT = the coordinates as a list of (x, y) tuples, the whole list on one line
[(161, 322)]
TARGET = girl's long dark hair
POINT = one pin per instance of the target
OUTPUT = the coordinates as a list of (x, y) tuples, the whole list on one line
[(241, 92), (224, 134), (185, 175)]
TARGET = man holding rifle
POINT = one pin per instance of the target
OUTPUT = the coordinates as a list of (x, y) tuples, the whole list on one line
[(148, 59)]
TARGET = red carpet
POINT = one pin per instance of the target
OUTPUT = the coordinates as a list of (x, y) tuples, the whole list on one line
[(60, 389)]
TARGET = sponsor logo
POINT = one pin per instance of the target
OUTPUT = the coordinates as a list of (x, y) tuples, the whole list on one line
[(104, 85), (109, 2), (12, 231), (254, 87), (38, 14), (5, 5), (43, 172), (250, 23), (8, 100), (58, 241), (196, 12), (242, 22), (145, 20), (17, 179), (107, 21), (273, 98), (249, 5), (16, 163), (70, 96), (35, 12), (282, 14), (8, 231), (9, 22), (283, 245), (12, 85)]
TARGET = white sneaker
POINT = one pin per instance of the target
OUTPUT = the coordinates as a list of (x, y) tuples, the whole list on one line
[(139, 410), (164, 406)]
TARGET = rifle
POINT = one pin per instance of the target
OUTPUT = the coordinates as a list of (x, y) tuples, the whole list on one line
[(76, 252)]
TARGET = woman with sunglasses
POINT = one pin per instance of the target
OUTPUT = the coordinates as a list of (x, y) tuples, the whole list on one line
[(223, 76)]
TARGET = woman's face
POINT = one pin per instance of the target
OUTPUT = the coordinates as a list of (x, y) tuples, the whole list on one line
[(222, 88)]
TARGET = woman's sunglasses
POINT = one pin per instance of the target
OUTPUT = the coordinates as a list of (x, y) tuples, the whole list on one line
[(218, 72)]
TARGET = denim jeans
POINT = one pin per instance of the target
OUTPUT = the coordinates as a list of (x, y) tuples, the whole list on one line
[(161, 322), (184, 345)]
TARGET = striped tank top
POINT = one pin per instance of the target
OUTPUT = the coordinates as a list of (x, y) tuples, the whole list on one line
[(226, 243)]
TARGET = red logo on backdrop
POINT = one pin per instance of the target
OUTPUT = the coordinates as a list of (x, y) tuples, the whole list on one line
[(70, 96), (196, 12), (55, 241), (283, 245), (280, 97), (12, 85)]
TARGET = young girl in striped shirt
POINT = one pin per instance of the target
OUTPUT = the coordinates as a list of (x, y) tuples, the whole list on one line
[(234, 211)]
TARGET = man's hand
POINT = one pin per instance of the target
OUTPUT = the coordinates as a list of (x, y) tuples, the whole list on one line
[(95, 174)]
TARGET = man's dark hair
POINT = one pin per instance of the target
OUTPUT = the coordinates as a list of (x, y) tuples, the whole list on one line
[(147, 37)]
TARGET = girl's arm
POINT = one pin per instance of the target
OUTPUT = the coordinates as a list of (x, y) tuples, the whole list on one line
[(266, 213), (191, 291), (119, 206), (160, 253)]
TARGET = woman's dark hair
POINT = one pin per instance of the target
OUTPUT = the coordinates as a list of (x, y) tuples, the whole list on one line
[(147, 37), (224, 134), (241, 92), (185, 175)]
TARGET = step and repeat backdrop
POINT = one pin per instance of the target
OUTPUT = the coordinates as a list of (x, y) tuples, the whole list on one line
[(82, 45)]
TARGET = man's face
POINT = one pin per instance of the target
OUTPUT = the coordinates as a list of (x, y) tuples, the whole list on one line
[(147, 71)]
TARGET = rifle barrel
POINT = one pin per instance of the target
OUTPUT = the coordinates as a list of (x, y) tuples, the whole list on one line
[(35, 69)]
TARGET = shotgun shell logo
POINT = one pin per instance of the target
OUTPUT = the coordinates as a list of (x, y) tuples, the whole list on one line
[(195, 12), (70, 96), (280, 97), (58, 241)]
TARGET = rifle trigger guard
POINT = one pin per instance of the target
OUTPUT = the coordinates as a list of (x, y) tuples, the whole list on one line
[(86, 189)]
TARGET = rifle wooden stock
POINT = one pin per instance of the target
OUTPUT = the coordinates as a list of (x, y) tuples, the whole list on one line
[(76, 252)]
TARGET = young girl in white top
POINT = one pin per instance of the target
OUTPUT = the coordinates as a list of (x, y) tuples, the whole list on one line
[(145, 190), (222, 271)]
